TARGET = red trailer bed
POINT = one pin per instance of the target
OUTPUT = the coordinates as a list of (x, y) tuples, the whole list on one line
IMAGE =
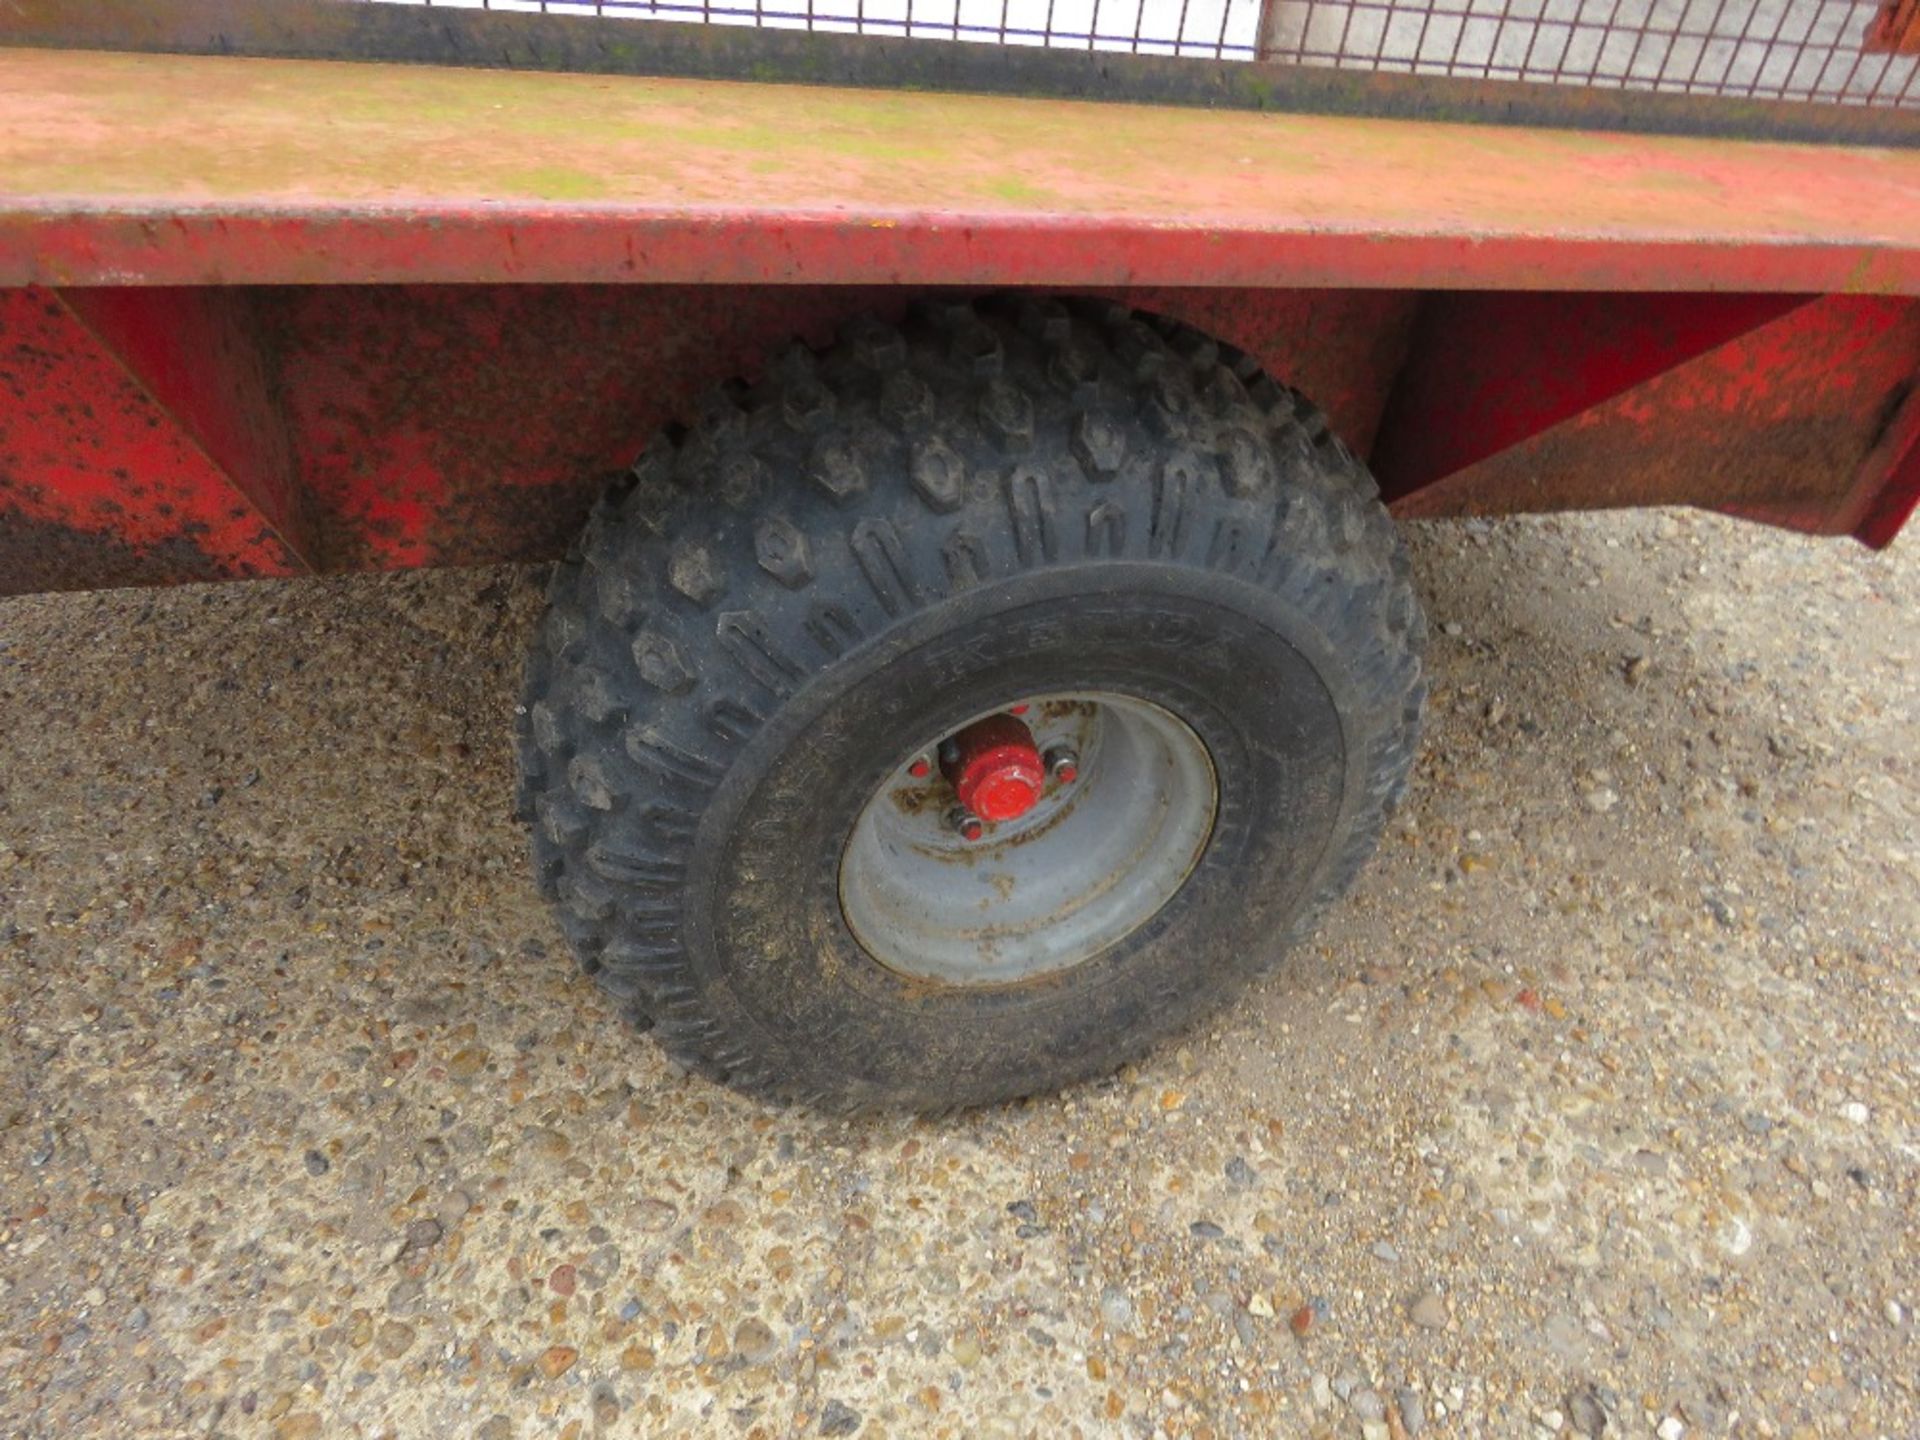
[(177, 170)]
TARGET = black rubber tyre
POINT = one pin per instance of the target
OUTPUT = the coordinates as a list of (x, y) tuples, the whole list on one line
[(879, 541)]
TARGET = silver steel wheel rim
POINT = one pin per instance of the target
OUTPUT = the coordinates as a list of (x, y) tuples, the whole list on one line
[(1089, 864)]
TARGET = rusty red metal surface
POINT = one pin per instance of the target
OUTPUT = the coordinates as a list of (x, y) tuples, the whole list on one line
[(467, 424), (1786, 423), (124, 169), (158, 435), (1887, 487), (568, 245), (99, 485), (1488, 371), (200, 355), (381, 427)]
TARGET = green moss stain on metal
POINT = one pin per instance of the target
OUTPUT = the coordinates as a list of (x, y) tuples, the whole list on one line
[(555, 182), (164, 131)]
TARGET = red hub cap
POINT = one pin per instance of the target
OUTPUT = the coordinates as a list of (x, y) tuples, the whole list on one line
[(995, 768)]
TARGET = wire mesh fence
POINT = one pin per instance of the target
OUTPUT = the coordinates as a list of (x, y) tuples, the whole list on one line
[(1753, 49), (1202, 29), (1841, 51)]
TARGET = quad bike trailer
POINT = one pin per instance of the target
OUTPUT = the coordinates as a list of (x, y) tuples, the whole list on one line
[(978, 637)]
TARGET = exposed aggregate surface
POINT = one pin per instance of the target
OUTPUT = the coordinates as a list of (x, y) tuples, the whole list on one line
[(1594, 1107)]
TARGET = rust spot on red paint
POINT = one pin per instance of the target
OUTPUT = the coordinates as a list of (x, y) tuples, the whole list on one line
[(469, 424), (77, 425)]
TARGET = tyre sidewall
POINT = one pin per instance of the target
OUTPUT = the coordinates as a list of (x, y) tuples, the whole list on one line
[(762, 922)]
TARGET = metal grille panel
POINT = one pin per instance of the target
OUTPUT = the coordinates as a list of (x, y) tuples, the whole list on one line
[(1828, 50), (1755, 49), (1200, 29)]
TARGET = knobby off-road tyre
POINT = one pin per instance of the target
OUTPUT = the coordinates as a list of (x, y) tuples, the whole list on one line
[(830, 571)]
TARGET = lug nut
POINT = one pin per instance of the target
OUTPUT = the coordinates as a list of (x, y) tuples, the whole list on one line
[(1063, 765), (920, 768), (970, 825)]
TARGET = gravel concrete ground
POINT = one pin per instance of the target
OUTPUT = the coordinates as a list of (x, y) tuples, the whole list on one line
[(1596, 1107)]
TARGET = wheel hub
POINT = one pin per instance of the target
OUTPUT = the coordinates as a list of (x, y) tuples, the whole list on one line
[(994, 767), (1037, 836)]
